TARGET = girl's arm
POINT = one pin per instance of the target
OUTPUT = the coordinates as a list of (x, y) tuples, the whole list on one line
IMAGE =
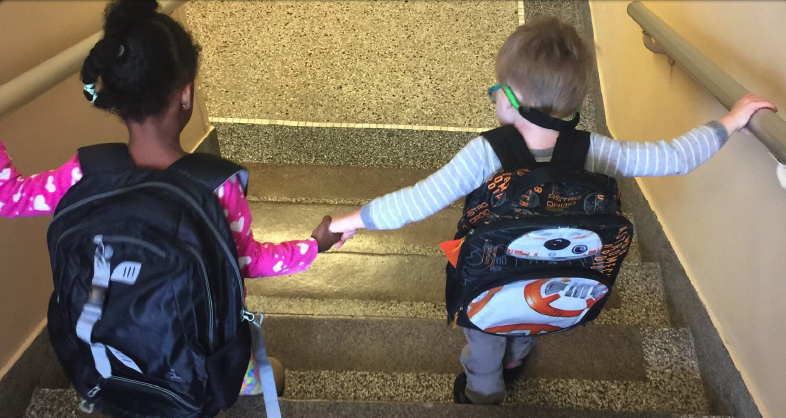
[(36, 195), (257, 259)]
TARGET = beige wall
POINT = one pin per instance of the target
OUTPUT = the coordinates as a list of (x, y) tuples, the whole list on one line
[(41, 136), (727, 220)]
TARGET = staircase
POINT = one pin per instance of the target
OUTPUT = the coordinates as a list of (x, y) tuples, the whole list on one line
[(363, 333)]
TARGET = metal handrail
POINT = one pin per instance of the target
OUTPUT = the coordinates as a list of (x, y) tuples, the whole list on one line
[(37, 81), (765, 124)]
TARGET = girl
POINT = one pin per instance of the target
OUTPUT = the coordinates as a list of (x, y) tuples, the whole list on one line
[(146, 64)]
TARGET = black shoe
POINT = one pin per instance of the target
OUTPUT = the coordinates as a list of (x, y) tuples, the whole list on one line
[(459, 390), (511, 376)]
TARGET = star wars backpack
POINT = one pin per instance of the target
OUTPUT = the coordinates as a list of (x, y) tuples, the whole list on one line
[(539, 245)]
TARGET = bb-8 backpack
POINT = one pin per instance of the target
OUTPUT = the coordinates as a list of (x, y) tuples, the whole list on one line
[(539, 245)]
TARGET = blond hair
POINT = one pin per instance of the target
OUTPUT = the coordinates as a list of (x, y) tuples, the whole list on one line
[(548, 64)]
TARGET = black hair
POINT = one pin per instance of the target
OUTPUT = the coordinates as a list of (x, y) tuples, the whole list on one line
[(140, 61)]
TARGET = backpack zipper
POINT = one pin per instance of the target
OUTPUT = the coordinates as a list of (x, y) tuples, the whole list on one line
[(193, 204), (136, 241), (155, 388), (211, 310)]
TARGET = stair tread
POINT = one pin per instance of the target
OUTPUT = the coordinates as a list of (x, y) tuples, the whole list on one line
[(61, 403), (597, 351), (395, 281), (673, 396)]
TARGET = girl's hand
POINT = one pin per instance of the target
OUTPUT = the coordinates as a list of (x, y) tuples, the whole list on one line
[(325, 239), (742, 111)]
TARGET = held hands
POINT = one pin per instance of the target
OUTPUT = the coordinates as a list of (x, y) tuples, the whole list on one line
[(743, 110), (325, 239), (347, 226)]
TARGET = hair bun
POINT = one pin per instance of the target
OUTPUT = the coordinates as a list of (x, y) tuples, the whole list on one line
[(121, 15)]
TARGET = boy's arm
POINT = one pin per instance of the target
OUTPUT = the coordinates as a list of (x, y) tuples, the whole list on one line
[(463, 174), (677, 156), (680, 155), (36, 195)]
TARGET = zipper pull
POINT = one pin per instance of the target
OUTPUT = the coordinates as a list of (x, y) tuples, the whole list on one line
[(93, 392), (247, 316)]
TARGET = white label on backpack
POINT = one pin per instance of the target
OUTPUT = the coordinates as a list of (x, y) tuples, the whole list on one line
[(124, 359), (127, 272), (530, 307), (556, 244)]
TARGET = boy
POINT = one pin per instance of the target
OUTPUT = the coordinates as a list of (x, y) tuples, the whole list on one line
[(544, 65)]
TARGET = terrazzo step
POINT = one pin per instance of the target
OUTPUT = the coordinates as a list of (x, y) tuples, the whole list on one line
[(61, 403), (409, 345), (250, 407), (282, 221), (573, 398), (348, 284)]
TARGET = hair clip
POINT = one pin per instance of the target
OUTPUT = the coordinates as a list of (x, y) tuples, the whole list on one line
[(90, 92)]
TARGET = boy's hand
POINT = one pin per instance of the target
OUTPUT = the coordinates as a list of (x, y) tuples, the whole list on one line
[(741, 112), (347, 226), (325, 238)]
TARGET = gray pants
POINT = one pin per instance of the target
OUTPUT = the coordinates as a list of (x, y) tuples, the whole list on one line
[(483, 358)]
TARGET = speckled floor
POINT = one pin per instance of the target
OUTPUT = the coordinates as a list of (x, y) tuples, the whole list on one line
[(406, 62)]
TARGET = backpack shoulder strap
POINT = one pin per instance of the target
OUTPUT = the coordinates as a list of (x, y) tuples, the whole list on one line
[(509, 145), (571, 149), (104, 158), (209, 170)]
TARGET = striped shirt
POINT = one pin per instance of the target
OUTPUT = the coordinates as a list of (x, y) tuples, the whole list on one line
[(477, 162)]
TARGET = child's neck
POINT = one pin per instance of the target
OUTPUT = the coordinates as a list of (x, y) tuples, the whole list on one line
[(537, 138), (153, 147)]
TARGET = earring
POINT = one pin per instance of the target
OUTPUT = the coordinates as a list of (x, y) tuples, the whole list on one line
[(183, 105)]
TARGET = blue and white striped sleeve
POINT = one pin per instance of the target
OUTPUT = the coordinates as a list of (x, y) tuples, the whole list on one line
[(467, 171), (680, 155)]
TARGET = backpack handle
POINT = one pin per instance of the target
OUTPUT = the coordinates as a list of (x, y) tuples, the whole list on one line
[(209, 170), (571, 149), (105, 158)]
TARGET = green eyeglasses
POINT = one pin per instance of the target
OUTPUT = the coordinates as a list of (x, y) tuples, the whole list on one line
[(508, 92)]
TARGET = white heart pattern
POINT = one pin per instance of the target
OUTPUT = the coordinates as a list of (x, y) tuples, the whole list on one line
[(221, 192), (5, 174), (76, 175), (277, 267), (237, 226), (50, 185), (18, 195), (40, 204), (243, 261), (303, 248)]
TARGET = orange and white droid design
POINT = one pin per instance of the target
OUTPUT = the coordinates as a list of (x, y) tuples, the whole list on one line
[(531, 307), (557, 244)]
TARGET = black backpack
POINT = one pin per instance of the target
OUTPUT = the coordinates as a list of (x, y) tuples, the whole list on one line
[(542, 243), (147, 315)]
